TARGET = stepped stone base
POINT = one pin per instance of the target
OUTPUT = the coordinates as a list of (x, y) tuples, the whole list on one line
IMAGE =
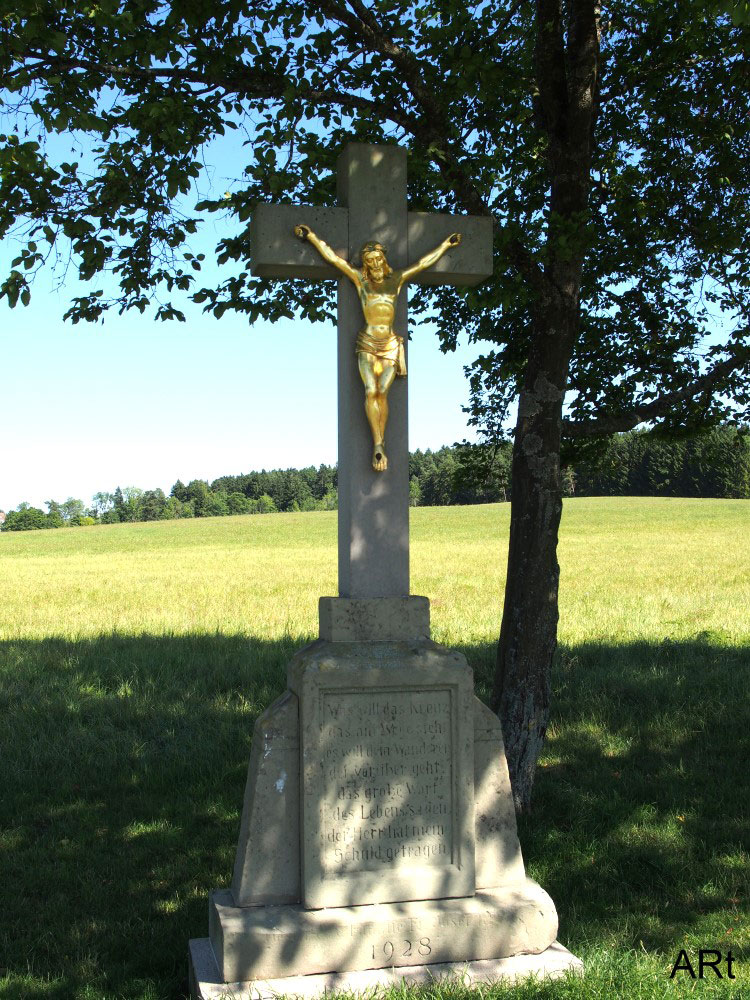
[(267, 942), (378, 839), (205, 983)]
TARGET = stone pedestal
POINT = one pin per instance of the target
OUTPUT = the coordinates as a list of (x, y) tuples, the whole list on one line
[(205, 983), (378, 829), (269, 942)]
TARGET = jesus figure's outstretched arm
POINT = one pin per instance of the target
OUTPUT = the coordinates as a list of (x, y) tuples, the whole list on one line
[(327, 253), (430, 258)]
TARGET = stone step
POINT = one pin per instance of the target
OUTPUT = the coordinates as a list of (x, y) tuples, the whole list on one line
[(205, 983), (267, 942)]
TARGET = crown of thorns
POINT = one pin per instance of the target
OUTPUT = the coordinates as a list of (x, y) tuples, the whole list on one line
[(371, 248)]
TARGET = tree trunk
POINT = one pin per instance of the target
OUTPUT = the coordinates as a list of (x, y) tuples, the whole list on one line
[(528, 637), (567, 73)]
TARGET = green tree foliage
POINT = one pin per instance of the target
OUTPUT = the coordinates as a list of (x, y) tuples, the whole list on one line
[(54, 514), (179, 491), (127, 504), (238, 503), (610, 147), (329, 500), (266, 505), (27, 518), (118, 506), (101, 503), (153, 505), (568, 480), (415, 491), (197, 491), (290, 489), (133, 504), (473, 92), (464, 474), (175, 508), (73, 511), (483, 472), (215, 505), (715, 464)]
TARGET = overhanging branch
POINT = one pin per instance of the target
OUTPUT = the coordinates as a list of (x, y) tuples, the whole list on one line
[(426, 123), (659, 407), (246, 83), (431, 128)]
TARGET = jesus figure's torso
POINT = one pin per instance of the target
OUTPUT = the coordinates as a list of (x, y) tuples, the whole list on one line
[(379, 305)]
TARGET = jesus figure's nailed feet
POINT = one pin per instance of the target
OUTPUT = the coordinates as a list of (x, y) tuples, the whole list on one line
[(379, 458)]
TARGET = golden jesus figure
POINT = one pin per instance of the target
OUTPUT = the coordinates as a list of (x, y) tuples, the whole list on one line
[(379, 349)]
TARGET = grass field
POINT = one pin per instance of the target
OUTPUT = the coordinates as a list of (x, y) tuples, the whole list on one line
[(135, 658)]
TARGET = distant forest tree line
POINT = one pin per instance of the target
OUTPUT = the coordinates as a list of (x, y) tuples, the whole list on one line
[(715, 464)]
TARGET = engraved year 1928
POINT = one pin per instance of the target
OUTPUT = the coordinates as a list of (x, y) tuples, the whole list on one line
[(402, 949)]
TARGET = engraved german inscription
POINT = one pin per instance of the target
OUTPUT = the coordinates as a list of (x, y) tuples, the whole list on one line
[(387, 761)]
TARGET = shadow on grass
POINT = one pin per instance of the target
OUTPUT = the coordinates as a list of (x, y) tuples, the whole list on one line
[(640, 822), (124, 762)]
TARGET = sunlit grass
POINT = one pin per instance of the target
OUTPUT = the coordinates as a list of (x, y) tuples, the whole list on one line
[(134, 660), (645, 568)]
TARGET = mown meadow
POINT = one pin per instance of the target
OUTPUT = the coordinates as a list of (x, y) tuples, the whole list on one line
[(134, 659)]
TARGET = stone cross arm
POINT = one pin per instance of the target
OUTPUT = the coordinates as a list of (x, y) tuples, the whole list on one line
[(277, 253)]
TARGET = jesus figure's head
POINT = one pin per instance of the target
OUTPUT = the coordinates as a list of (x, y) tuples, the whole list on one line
[(374, 264)]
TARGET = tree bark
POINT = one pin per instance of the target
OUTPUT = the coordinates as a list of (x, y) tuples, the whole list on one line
[(528, 637), (567, 70)]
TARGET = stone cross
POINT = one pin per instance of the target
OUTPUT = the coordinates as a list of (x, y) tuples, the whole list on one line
[(377, 777), (373, 516)]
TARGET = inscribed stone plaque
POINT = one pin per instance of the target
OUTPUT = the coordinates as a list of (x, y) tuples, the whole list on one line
[(388, 785), (387, 756)]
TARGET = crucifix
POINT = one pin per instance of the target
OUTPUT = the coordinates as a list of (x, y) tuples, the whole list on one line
[(381, 354), (377, 777), (373, 516)]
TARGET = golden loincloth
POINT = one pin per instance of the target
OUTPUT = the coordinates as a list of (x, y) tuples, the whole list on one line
[(391, 349)]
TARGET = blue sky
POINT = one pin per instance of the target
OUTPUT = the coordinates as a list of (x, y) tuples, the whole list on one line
[(132, 402)]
